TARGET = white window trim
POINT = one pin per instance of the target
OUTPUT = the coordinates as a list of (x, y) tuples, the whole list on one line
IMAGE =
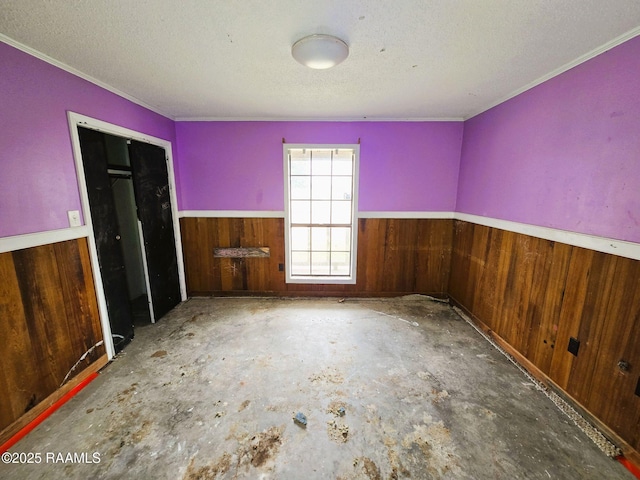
[(321, 280)]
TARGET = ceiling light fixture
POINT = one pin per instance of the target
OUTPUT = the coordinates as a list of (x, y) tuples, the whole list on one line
[(320, 51)]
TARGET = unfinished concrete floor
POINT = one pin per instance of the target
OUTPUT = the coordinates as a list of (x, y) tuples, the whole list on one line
[(210, 392)]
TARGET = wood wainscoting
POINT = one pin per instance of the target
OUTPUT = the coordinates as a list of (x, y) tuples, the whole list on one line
[(534, 295), (48, 318), (395, 257)]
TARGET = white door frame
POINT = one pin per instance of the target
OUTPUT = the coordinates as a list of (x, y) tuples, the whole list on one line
[(76, 120)]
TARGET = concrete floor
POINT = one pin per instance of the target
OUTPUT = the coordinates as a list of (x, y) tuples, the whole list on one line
[(210, 392)]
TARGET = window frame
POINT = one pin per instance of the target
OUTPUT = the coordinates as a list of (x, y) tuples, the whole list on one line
[(321, 279)]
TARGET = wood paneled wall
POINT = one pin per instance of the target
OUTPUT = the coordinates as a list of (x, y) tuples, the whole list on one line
[(395, 256), (48, 320), (535, 294)]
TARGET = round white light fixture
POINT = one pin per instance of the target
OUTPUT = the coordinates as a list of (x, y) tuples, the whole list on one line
[(320, 51)]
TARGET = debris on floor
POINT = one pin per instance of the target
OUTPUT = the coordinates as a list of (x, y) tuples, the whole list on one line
[(327, 375), (337, 408), (300, 419), (338, 432)]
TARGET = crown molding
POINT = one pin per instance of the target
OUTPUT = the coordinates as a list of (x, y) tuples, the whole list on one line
[(322, 119)]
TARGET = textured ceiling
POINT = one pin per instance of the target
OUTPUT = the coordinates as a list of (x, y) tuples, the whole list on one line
[(410, 59)]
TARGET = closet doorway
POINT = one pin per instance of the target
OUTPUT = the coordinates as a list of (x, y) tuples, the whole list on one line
[(131, 215)]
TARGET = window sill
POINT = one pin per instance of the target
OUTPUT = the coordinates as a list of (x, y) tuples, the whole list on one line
[(319, 280)]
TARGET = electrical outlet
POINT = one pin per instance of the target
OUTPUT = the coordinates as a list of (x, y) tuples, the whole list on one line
[(281, 267), (74, 218), (574, 345)]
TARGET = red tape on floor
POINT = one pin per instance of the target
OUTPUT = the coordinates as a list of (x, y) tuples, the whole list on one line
[(42, 417), (629, 466)]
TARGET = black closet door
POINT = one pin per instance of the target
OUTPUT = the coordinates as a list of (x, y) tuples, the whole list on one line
[(107, 235), (151, 187)]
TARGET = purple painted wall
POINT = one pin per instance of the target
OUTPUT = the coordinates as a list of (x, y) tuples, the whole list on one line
[(404, 166), (565, 154), (38, 181)]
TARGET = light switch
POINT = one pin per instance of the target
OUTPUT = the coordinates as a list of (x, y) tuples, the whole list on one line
[(74, 218)]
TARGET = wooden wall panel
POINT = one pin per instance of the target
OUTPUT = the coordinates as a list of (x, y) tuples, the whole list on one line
[(619, 340), (15, 347), (552, 265), (395, 256), (48, 318), (535, 294), (433, 263), (459, 279), (370, 253), (591, 323), (484, 267), (39, 281)]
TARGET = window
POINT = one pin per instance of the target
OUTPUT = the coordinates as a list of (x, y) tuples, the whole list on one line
[(320, 213)]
